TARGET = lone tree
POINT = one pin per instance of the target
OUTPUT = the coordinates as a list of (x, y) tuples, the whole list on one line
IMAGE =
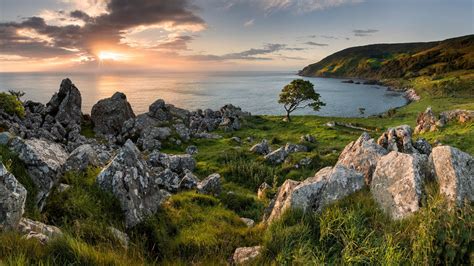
[(298, 95), (17, 94)]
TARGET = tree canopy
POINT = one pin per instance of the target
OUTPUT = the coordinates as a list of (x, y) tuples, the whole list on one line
[(299, 94)]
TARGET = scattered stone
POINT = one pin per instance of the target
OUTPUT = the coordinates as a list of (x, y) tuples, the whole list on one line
[(81, 158), (109, 115), (189, 181), (454, 172), (331, 124), (261, 148), (12, 200), (38, 230), (176, 163), (63, 187), (277, 156), (292, 148), (245, 255), (191, 150), (262, 190), (397, 183), (249, 139), (308, 138), (122, 237), (412, 96), (304, 162), (211, 185), (236, 140), (5, 138), (44, 161), (362, 155), (128, 178), (461, 115), (169, 180), (397, 139), (248, 222)]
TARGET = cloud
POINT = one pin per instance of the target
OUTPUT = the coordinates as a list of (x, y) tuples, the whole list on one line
[(177, 43), (253, 54), (362, 33), (104, 23), (249, 23), (303, 6), (316, 44)]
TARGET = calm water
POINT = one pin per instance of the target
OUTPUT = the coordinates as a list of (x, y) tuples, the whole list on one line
[(256, 92)]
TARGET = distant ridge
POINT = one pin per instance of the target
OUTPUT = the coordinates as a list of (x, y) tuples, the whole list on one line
[(400, 60)]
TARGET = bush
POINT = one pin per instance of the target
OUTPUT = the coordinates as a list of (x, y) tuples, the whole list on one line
[(11, 105)]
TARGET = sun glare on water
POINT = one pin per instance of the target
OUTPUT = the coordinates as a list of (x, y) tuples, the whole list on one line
[(104, 55)]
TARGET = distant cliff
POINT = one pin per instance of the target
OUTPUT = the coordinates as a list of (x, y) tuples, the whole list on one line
[(400, 60)]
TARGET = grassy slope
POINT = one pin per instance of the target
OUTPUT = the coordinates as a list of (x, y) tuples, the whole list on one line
[(205, 230)]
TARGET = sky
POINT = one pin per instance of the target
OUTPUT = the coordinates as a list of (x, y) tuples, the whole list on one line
[(214, 35)]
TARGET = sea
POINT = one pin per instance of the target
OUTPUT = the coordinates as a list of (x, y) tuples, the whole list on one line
[(256, 91)]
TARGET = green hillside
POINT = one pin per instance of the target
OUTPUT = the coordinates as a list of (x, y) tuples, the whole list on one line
[(451, 60)]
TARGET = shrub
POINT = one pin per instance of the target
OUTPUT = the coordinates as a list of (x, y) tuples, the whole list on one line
[(11, 105)]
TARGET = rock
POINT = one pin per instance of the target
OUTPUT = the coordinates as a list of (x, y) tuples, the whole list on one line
[(331, 124), (397, 183), (348, 81), (211, 185), (308, 138), (81, 158), (183, 132), (157, 110), (249, 139), (151, 137), (422, 146), (411, 95), (12, 200), (426, 122), (108, 115), (122, 237), (38, 230), (262, 190), (454, 171), (397, 139), (245, 255), (191, 150), (248, 222), (362, 155), (63, 187), (236, 140), (461, 115), (65, 105), (44, 162), (169, 180), (277, 156), (128, 178), (292, 148), (261, 148), (327, 186), (5, 138), (189, 181), (176, 163), (304, 162)]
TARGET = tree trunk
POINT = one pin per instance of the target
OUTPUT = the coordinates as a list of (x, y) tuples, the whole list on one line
[(288, 116)]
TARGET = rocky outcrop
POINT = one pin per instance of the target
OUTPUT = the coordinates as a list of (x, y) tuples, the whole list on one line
[(426, 122), (211, 185), (44, 161), (246, 255), (313, 194), (422, 146), (12, 200), (362, 155), (37, 230), (176, 163), (65, 105), (398, 181), (454, 171), (128, 178), (397, 139), (109, 115)]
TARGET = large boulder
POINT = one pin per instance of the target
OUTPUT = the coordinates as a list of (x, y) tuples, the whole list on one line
[(246, 255), (261, 148), (108, 115), (37, 230), (65, 105), (12, 200), (277, 156), (362, 155), (397, 139), (454, 171), (397, 183), (426, 122), (211, 185), (44, 162), (128, 178), (327, 186)]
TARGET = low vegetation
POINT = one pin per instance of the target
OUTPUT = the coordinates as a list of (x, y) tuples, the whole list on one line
[(11, 104)]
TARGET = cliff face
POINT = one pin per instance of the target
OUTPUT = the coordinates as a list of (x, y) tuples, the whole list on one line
[(401, 60)]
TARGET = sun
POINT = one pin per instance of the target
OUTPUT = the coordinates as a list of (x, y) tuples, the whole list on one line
[(106, 55)]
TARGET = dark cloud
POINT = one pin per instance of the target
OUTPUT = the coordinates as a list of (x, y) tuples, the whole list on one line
[(362, 33), (106, 29), (178, 43), (316, 44)]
